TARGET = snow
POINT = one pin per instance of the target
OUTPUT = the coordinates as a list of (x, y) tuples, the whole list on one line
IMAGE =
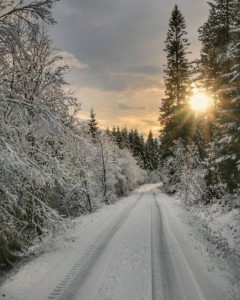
[(218, 231), (138, 248)]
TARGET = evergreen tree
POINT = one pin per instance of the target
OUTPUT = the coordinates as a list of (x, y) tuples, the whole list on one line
[(136, 145), (214, 35), (151, 153), (228, 154), (93, 125), (125, 139), (108, 132), (174, 112), (132, 141), (220, 75), (119, 138), (143, 153), (114, 133)]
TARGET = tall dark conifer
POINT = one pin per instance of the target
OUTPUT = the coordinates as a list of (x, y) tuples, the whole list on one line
[(215, 36), (174, 117), (151, 153), (228, 120), (220, 60)]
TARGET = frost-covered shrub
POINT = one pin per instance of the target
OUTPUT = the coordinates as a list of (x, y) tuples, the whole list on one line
[(229, 201), (184, 173), (129, 174), (116, 172)]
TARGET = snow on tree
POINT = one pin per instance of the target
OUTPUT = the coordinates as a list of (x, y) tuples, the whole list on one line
[(132, 141), (184, 173), (228, 120), (93, 125), (22, 212), (220, 75), (50, 167)]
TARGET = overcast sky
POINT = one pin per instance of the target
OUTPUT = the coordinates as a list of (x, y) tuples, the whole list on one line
[(115, 52)]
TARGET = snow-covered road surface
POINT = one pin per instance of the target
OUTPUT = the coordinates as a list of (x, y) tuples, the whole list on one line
[(137, 249)]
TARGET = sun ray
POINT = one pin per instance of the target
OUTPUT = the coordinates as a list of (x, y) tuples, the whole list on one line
[(199, 101)]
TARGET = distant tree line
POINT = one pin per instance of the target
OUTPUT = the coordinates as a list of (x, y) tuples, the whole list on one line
[(146, 152)]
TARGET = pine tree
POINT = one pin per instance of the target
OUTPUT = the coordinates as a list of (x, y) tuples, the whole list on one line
[(119, 138), (132, 141), (93, 125), (174, 118), (108, 132), (114, 133), (215, 36), (151, 153), (220, 75), (125, 138), (228, 154), (137, 145)]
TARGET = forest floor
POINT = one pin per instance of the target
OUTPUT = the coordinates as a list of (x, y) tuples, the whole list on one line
[(146, 246)]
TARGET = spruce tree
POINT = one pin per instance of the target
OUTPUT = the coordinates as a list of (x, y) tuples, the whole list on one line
[(114, 133), (93, 125), (220, 75), (125, 138), (151, 153), (228, 121), (215, 36), (137, 146), (119, 138), (174, 112), (131, 140)]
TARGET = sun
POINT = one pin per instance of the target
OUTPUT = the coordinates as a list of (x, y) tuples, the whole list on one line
[(199, 101)]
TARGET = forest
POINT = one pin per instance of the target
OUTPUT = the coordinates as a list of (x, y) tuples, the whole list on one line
[(54, 166), (200, 144)]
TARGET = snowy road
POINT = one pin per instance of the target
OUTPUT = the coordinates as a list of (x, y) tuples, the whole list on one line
[(136, 249)]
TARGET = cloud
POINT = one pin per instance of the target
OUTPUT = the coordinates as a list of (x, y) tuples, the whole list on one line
[(146, 69), (72, 61), (149, 122), (116, 50), (114, 32), (124, 106), (121, 41), (107, 80)]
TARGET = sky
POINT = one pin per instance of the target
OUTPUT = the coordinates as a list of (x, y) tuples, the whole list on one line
[(114, 49)]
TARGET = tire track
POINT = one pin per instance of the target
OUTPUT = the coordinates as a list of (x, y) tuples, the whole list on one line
[(164, 283), (78, 274), (172, 277)]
